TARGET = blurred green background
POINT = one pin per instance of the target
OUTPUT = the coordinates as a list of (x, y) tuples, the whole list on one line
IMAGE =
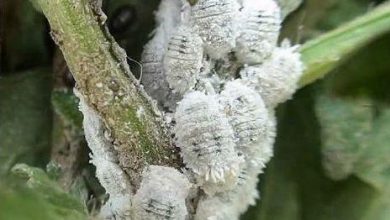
[(332, 154)]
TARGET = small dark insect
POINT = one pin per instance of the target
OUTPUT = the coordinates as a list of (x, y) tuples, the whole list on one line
[(122, 19)]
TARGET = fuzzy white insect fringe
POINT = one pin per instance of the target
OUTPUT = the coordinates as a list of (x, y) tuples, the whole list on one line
[(215, 21), (162, 195), (248, 116), (276, 79), (207, 143), (224, 122), (111, 176), (183, 59), (258, 30), (153, 75), (231, 204)]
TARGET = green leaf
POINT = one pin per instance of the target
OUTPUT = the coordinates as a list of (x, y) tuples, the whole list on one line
[(355, 139), (328, 51), (25, 118), (345, 126), (38, 180), (20, 203), (374, 165), (65, 104), (32, 195)]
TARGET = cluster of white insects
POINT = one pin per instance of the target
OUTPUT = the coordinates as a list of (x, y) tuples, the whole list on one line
[(217, 71), (223, 73)]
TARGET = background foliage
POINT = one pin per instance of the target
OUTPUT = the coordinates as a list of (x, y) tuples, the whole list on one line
[(332, 157)]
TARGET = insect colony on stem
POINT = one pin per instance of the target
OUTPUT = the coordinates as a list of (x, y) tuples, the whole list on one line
[(216, 69)]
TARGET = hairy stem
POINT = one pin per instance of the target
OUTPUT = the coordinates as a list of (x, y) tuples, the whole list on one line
[(103, 77)]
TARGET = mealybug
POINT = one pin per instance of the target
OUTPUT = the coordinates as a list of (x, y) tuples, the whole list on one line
[(215, 22), (206, 141), (248, 116), (268, 144), (153, 76), (118, 207), (215, 208), (276, 79), (111, 177), (168, 16), (259, 28), (183, 59), (245, 193), (162, 195), (230, 204)]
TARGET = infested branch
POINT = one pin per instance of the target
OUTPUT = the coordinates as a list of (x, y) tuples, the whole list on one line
[(99, 66)]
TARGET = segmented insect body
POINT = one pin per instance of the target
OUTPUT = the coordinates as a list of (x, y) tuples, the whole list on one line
[(206, 141), (231, 204), (247, 183), (215, 21), (153, 75), (111, 177), (118, 207), (245, 193), (161, 195), (258, 30), (248, 116), (277, 78), (183, 59), (215, 208)]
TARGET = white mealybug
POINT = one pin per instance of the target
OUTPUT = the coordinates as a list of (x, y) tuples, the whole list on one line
[(111, 177), (153, 76), (248, 116), (276, 79), (268, 145), (259, 28), (118, 207), (231, 204), (245, 193), (161, 195), (206, 141), (215, 20), (215, 208), (168, 15), (183, 59)]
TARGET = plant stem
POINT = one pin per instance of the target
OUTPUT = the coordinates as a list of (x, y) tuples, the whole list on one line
[(103, 77)]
